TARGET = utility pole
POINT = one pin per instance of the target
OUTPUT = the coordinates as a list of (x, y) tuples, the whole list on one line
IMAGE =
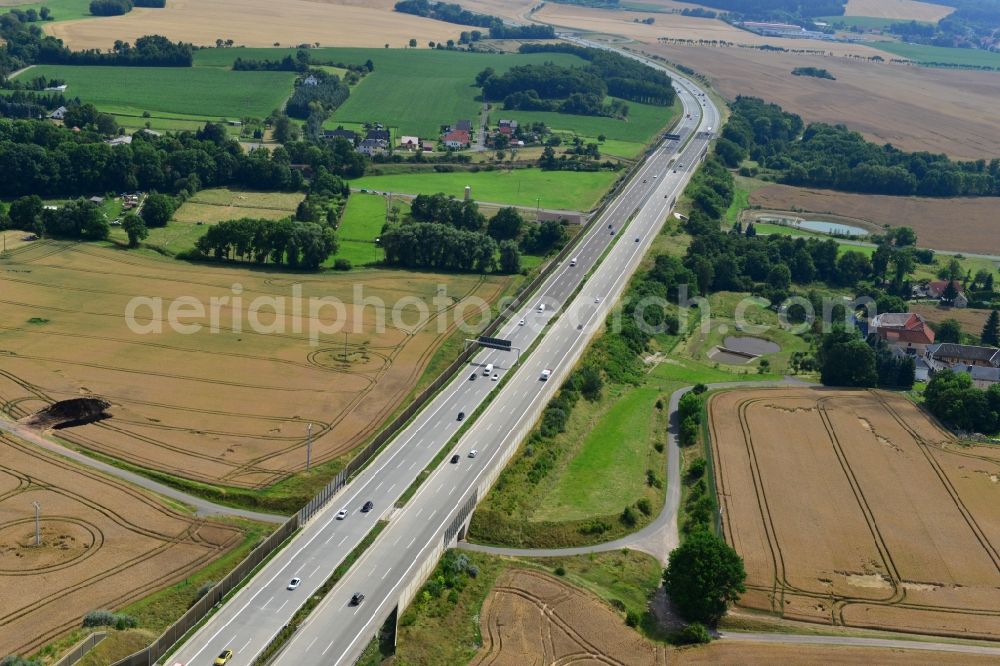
[(38, 518), (309, 445)]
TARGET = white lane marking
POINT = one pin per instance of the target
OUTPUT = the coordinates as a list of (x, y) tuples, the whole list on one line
[(267, 602), (391, 487), (330, 539), (309, 647), (452, 490), (315, 570), (341, 542), (379, 485), (328, 647), (244, 647), (281, 606), (386, 573), (419, 511), (411, 543)]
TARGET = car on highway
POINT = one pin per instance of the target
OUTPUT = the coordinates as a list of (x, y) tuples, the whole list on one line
[(495, 377), (294, 583), (520, 323), (342, 514), (461, 416), (572, 262), (597, 299), (454, 459), (472, 377), (368, 506), (357, 598), (655, 176), (636, 239), (612, 232), (473, 453), (223, 658), (546, 373)]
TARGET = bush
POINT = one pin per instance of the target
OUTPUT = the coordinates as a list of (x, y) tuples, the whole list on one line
[(628, 517), (689, 431), (618, 604), (693, 634), (658, 446), (203, 590), (105, 618), (341, 264), (632, 619), (18, 660), (652, 480), (696, 469), (560, 570), (645, 506)]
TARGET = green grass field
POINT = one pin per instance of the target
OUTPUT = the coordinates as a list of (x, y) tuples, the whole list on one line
[(927, 55), (614, 451), (625, 138), (415, 91), (62, 10), (562, 190), (865, 22), (197, 93), (363, 218)]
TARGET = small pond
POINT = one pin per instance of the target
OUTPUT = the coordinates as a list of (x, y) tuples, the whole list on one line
[(750, 345), (831, 228)]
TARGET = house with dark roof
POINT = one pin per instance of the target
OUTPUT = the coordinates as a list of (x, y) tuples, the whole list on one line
[(377, 135), (982, 378), (906, 331), (462, 126), (948, 354), (341, 133)]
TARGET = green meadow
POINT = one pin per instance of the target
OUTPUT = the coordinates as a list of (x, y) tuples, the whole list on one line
[(179, 92), (931, 55), (62, 10), (562, 190)]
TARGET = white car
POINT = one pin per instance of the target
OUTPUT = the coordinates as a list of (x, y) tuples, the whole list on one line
[(473, 453), (495, 377), (520, 323), (597, 299), (342, 514), (294, 583)]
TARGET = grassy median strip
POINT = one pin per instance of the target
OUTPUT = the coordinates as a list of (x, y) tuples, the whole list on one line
[(286, 632)]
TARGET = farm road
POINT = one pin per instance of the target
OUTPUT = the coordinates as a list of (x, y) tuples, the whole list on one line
[(201, 506), (898, 644)]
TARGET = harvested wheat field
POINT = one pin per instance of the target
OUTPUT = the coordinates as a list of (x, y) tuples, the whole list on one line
[(765, 654), (231, 406), (261, 23), (854, 508), (533, 618), (913, 108), (104, 544), (675, 26), (904, 10), (971, 319), (965, 224)]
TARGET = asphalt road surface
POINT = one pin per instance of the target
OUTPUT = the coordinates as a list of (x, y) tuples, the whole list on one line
[(337, 633)]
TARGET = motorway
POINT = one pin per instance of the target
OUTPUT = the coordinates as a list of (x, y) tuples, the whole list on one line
[(337, 633)]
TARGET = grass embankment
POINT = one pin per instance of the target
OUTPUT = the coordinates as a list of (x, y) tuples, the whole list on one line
[(571, 486), (561, 190), (442, 625), (159, 610)]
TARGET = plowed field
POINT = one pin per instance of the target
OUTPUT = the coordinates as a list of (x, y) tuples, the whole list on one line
[(533, 618), (230, 406), (104, 544), (854, 508)]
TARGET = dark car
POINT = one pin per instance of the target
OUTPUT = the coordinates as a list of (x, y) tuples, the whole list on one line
[(357, 598), (454, 459), (472, 377), (461, 416), (368, 506)]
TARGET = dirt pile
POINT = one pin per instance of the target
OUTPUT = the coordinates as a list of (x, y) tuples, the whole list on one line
[(69, 413)]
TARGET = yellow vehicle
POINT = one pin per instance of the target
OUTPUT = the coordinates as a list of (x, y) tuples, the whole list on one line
[(223, 658)]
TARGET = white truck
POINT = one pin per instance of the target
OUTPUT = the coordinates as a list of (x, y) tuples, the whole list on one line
[(546, 373)]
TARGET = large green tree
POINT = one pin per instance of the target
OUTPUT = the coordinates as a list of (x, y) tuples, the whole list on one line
[(703, 576), (135, 228), (157, 210), (846, 360), (991, 330)]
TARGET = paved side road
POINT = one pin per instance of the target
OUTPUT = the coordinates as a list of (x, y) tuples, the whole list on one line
[(201, 506), (660, 536)]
